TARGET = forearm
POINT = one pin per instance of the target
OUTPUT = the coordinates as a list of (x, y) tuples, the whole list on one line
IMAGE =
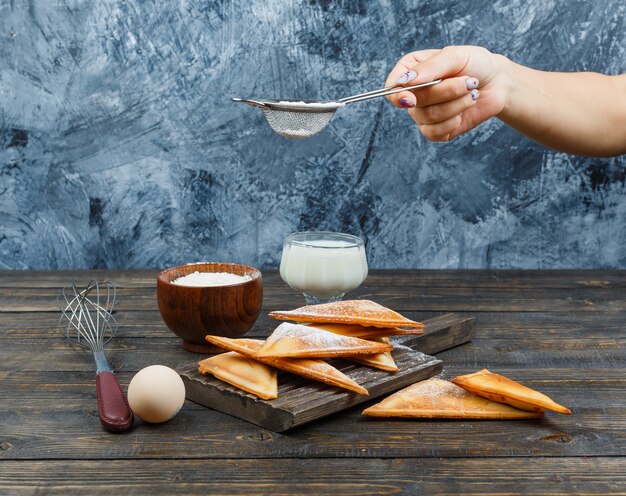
[(581, 113)]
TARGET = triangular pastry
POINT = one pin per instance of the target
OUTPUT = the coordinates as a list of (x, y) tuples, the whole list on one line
[(359, 331), (243, 372), (317, 370), (504, 390), (361, 312), (300, 341), (436, 398), (382, 361)]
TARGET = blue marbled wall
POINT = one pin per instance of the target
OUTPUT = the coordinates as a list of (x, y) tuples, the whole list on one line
[(119, 146)]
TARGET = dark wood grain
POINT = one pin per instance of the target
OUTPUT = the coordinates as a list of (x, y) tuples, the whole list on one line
[(469, 476), (560, 332), (423, 278), (411, 299), (535, 326)]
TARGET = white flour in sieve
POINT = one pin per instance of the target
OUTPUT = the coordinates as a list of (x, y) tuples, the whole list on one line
[(313, 105), (206, 279)]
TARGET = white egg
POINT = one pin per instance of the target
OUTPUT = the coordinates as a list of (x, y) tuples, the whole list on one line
[(156, 393)]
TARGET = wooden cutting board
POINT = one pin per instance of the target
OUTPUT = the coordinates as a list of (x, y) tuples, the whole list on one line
[(300, 400)]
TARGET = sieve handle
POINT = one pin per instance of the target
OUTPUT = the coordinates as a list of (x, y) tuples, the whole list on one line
[(247, 101), (113, 408), (386, 91)]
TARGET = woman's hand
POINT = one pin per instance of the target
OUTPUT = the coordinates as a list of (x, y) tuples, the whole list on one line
[(473, 89)]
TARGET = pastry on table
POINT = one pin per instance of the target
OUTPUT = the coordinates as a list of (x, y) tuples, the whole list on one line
[(243, 372), (300, 341), (437, 398), (499, 388), (359, 331), (361, 312), (382, 361), (317, 370)]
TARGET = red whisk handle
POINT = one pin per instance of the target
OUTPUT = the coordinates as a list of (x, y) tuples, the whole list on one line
[(113, 408)]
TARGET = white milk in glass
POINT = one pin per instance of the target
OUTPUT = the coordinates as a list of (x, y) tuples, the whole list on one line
[(323, 267)]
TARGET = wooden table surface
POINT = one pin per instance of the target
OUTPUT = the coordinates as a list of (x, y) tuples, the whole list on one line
[(561, 332)]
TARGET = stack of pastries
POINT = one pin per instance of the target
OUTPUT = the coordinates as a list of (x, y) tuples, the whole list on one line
[(356, 330)]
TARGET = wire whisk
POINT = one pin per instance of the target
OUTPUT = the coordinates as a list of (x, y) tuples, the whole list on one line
[(87, 321), (90, 323)]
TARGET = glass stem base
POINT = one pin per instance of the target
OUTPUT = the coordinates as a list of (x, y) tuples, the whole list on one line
[(313, 300)]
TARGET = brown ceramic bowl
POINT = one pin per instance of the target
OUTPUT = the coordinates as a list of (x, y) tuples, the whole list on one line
[(193, 312)]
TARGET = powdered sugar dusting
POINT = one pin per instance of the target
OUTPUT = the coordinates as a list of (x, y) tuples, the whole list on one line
[(363, 312), (300, 341), (316, 338), (431, 393)]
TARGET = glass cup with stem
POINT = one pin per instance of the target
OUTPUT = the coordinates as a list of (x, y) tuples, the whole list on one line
[(323, 265)]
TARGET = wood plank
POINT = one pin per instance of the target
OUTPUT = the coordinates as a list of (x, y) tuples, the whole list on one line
[(198, 432), (131, 354), (562, 476), (440, 333), (56, 279), (447, 299), (585, 388), (417, 278), (301, 401), (493, 325)]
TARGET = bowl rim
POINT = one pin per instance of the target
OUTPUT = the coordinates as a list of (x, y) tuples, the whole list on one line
[(255, 274)]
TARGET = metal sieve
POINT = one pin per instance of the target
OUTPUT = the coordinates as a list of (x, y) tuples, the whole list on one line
[(305, 118)]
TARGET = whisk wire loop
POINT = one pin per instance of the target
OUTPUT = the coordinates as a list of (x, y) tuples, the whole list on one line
[(88, 314)]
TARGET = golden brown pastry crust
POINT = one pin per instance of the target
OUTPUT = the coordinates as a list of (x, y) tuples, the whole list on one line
[(243, 372), (504, 390), (437, 398), (300, 341), (361, 312), (363, 332), (317, 370), (382, 361)]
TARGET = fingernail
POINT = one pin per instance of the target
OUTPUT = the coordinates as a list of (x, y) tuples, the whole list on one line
[(475, 94), (471, 83), (406, 77), (405, 102)]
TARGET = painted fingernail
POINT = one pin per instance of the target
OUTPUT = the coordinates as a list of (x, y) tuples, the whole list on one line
[(471, 83), (405, 102), (406, 77), (475, 94)]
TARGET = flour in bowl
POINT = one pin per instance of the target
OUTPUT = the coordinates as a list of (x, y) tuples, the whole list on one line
[(206, 279)]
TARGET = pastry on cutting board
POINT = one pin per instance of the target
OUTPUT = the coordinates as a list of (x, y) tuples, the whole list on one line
[(437, 398), (243, 372), (315, 369), (504, 390), (382, 361), (300, 341), (359, 331), (361, 312)]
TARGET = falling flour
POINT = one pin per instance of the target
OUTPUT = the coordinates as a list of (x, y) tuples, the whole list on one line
[(206, 279)]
